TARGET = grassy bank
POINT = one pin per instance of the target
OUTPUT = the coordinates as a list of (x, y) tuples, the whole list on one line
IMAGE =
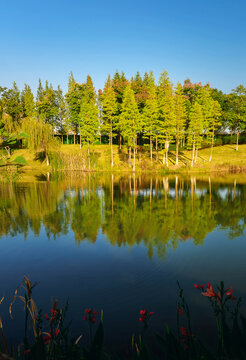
[(71, 157)]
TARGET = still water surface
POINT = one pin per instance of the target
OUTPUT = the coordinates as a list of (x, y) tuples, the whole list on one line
[(120, 243)]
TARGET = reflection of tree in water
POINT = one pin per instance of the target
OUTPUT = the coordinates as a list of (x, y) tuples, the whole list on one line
[(156, 212)]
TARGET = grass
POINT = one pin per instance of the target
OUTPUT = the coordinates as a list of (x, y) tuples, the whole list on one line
[(225, 158)]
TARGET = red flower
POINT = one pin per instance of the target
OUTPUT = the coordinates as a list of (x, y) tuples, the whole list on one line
[(144, 315), (90, 315), (229, 293), (27, 351), (57, 331), (53, 314), (183, 331), (201, 287), (47, 339), (210, 291), (180, 311)]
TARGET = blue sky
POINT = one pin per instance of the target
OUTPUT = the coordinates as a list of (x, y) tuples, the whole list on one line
[(202, 40)]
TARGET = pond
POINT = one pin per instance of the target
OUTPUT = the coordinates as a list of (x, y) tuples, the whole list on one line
[(120, 243)]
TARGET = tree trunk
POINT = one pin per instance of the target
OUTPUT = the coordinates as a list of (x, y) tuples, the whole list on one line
[(111, 146), (193, 154), (67, 139), (88, 153), (74, 138), (177, 152), (80, 144), (130, 155), (120, 141), (212, 144), (150, 148), (237, 140), (156, 146), (47, 159), (196, 155), (134, 157), (100, 139), (166, 147)]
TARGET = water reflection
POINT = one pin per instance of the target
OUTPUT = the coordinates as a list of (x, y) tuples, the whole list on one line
[(157, 212)]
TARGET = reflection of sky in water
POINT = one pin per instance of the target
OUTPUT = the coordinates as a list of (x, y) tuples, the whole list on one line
[(120, 279)]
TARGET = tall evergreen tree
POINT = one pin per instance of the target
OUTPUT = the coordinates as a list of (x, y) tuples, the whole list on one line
[(119, 83), (28, 102), (213, 124), (180, 117), (195, 129), (73, 99), (110, 118), (89, 115), (62, 111), (150, 113), (129, 121), (46, 104), (166, 117)]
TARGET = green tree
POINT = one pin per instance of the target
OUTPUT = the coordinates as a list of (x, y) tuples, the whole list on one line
[(237, 110), (46, 104), (109, 114), (11, 109), (214, 123), (62, 111), (180, 117), (73, 99), (195, 130), (119, 83), (166, 117), (129, 121), (29, 109), (89, 115), (150, 113)]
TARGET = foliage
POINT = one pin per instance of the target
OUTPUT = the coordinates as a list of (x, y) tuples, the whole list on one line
[(162, 115), (52, 335)]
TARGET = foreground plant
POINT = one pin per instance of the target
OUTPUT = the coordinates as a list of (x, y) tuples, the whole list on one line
[(51, 336)]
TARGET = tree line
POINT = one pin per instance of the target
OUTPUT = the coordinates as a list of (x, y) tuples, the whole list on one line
[(127, 111)]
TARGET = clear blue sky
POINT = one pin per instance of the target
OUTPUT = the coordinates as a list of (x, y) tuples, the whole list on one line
[(204, 40)]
